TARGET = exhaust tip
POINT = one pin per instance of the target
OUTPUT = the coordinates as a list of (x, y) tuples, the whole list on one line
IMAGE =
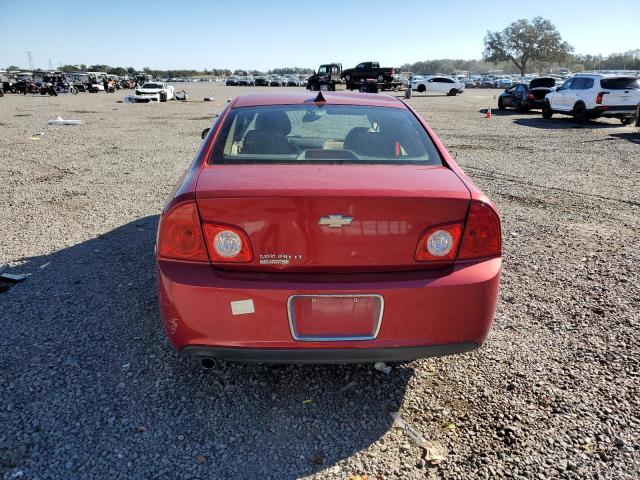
[(207, 363)]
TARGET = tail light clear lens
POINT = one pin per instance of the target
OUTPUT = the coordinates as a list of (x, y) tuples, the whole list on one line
[(179, 234), (482, 234), (439, 243), (227, 244)]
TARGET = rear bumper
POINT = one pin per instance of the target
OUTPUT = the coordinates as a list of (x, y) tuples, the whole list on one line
[(328, 355), (615, 111), (425, 313)]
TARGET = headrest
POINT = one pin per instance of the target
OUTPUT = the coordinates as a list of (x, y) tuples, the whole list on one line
[(273, 121)]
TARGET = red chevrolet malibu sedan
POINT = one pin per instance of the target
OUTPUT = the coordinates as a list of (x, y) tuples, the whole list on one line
[(329, 228)]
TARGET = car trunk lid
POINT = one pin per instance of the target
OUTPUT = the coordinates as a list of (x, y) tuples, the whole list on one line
[(334, 218)]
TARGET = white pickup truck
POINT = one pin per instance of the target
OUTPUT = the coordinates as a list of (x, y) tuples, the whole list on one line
[(154, 91)]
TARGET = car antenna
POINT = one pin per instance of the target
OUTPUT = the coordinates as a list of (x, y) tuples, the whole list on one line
[(319, 98)]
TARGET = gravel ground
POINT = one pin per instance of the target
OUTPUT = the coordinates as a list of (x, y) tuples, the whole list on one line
[(90, 388)]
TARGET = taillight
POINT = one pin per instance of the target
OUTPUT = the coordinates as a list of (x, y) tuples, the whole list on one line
[(531, 96), (599, 97), (227, 244), (179, 234), (482, 236), (439, 243)]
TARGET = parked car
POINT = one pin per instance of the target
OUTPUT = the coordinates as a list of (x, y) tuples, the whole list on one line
[(368, 71), (589, 96), (487, 82), (162, 90), (503, 82), (232, 81), (524, 97), (446, 85), (292, 82), (275, 81), (470, 83), (336, 264), (262, 81)]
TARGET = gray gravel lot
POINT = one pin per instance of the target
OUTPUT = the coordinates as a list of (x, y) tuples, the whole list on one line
[(90, 388)]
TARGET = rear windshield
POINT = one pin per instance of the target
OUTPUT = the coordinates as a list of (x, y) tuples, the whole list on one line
[(326, 134), (620, 83)]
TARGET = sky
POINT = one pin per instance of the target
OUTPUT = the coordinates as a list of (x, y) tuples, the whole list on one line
[(264, 34)]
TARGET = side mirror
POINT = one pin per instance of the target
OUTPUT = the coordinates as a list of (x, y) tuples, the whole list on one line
[(205, 132)]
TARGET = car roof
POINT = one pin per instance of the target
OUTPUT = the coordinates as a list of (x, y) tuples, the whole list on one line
[(332, 98)]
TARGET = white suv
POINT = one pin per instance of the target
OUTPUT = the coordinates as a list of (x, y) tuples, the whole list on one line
[(447, 85), (589, 96)]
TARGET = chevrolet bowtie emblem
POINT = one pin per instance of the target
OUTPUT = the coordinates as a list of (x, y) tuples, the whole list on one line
[(335, 221)]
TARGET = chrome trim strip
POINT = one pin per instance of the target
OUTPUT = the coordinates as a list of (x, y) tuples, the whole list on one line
[(294, 333)]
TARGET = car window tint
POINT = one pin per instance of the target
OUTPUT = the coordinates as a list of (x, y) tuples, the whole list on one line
[(577, 84), (624, 83), (566, 85), (329, 134), (588, 83)]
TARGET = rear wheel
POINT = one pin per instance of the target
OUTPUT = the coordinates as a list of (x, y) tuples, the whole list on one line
[(380, 78), (347, 77), (452, 92), (546, 110), (421, 88), (501, 104), (580, 113), (74, 90), (627, 121)]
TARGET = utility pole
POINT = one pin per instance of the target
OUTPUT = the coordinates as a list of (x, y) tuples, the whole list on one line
[(50, 65), (30, 60)]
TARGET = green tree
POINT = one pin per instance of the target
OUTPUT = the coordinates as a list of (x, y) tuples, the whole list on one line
[(525, 41)]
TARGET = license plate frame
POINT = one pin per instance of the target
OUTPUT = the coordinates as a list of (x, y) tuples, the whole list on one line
[(377, 320)]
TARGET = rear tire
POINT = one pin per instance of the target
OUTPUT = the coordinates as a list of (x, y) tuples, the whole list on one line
[(452, 92), (627, 121), (421, 88), (500, 104), (380, 78), (347, 78), (580, 113), (546, 111)]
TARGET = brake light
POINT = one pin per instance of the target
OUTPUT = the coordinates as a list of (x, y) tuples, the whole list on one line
[(179, 234), (599, 97), (482, 234), (227, 244), (530, 96), (439, 243)]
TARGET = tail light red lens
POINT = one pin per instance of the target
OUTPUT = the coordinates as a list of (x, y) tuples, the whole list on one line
[(179, 235), (439, 243), (530, 96), (599, 97), (227, 244), (482, 234)]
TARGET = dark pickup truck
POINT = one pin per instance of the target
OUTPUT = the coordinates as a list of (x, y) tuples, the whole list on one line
[(368, 71)]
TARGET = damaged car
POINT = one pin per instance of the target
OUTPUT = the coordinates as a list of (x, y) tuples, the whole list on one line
[(524, 96), (154, 91)]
